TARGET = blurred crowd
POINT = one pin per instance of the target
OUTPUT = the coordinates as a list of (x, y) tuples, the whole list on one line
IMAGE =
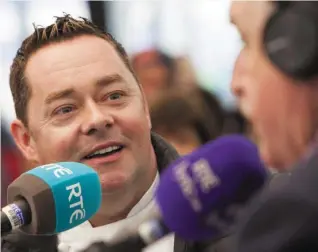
[(181, 111)]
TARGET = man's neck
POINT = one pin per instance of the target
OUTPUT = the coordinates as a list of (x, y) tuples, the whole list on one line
[(128, 198), (102, 218)]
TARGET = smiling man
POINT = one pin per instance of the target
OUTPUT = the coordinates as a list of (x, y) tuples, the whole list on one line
[(77, 99)]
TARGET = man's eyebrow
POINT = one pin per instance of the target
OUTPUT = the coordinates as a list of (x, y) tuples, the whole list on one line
[(102, 82), (58, 95), (109, 79)]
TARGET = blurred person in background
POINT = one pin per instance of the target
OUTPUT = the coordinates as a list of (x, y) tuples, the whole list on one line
[(11, 161), (183, 123), (155, 72), (162, 75), (235, 123), (184, 78), (185, 83), (214, 113)]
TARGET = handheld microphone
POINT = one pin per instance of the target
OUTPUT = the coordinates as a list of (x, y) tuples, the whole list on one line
[(52, 198), (209, 186), (199, 195)]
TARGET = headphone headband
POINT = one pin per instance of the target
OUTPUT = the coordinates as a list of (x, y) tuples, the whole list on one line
[(291, 38)]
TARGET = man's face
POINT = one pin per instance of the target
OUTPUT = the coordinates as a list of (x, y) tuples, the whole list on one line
[(152, 75), (278, 109), (84, 99)]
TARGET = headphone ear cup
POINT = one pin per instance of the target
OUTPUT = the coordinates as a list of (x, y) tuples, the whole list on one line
[(291, 42)]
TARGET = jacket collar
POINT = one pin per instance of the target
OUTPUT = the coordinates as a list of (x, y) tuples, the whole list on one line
[(165, 153)]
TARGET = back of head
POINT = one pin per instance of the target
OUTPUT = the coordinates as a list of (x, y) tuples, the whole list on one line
[(185, 121), (155, 71)]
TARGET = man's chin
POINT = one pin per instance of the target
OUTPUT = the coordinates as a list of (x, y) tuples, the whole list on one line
[(111, 185), (274, 159)]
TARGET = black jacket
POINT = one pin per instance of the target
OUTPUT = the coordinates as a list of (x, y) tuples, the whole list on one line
[(285, 216), (21, 242)]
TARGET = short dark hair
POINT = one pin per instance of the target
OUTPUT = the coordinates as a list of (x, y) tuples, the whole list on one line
[(64, 28), (176, 111)]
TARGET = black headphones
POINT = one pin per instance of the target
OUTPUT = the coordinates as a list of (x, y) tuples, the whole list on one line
[(291, 38)]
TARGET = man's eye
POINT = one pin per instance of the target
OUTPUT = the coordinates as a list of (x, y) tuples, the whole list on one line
[(115, 96), (63, 110)]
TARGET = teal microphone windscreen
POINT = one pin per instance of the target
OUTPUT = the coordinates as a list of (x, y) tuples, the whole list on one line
[(52, 198)]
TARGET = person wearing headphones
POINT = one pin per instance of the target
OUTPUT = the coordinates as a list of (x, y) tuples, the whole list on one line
[(276, 82)]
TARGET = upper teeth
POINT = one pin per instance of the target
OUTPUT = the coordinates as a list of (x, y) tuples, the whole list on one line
[(103, 151)]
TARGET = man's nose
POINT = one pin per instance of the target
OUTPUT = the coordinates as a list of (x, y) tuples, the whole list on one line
[(238, 76), (96, 119), (236, 87)]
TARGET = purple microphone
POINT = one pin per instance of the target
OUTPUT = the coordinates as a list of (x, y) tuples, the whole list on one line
[(199, 194)]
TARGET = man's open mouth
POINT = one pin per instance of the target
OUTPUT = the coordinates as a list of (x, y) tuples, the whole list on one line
[(105, 152)]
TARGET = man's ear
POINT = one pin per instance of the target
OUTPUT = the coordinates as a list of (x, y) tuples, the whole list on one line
[(148, 116), (146, 106), (23, 140)]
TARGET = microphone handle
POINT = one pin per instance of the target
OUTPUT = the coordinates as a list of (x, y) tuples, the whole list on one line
[(6, 226), (148, 233), (131, 244), (15, 215)]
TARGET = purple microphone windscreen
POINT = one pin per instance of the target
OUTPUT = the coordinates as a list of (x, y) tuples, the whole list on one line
[(199, 194)]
